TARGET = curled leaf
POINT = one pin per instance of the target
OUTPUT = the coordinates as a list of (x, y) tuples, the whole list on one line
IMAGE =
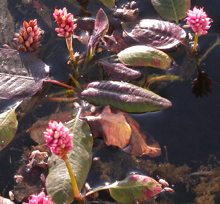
[(156, 33), (141, 55), (100, 29), (171, 10), (124, 96)]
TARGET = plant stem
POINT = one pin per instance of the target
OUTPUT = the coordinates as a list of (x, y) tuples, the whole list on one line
[(69, 43), (195, 46), (217, 42), (59, 83), (73, 179)]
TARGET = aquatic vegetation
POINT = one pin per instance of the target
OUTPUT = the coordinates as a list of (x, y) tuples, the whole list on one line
[(122, 59)]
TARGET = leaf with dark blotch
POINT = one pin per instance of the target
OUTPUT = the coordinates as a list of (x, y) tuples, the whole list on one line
[(108, 3), (58, 183), (156, 33), (134, 188), (21, 74), (100, 29), (8, 126), (142, 55), (171, 10), (124, 96), (119, 71)]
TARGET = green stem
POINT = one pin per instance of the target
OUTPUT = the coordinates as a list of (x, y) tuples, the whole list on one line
[(195, 47), (69, 43), (73, 179)]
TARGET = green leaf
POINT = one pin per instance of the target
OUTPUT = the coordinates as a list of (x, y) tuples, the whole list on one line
[(172, 10), (135, 187), (58, 183), (108, 3), (141, 55), (124, 96), (8, 126)]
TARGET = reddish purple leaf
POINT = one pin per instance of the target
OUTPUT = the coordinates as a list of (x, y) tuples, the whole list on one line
[(100, 29), (120, 72), (156, 33), (21, 74)]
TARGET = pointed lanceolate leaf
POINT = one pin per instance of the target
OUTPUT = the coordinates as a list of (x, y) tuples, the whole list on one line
[(141, 55), (8, 126), (124, 96), (156, 33), (21, 74), (134, 188), (108, 3), (172, 10), (58, 183), (100, 29)]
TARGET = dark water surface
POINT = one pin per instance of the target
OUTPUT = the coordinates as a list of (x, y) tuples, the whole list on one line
[(190, 129)]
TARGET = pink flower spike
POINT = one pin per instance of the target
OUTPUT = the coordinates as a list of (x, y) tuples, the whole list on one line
[(198, 20), (65, 21), (58, 138), (40, 199)]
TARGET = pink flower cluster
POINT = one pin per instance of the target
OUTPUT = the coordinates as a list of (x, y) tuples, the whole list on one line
[(58, 139), (65, 22), (39, 199), (198, 20), (30, 37)]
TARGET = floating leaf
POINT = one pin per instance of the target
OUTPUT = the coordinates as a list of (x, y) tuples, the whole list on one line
[(8, 126), (156, 33), (100, 29), (124, 96), (119, 71), (141, 55), (171, 10), (134, 188), (58, 183), (108, 3), (21, 74)]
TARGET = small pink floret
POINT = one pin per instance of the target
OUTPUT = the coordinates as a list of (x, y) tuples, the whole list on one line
[(65, 22), (58, 138), (40, 199), (198, 20)]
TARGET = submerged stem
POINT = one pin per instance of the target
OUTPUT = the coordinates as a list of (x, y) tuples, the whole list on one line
[(217, 42)]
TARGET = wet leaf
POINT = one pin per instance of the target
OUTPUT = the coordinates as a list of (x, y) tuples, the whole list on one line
[(134, 188), (8, 126), (21, 74), (58, 182), (5, 201), (108, 3), (119, 71), (171, 10), (124, 96), (100, 29), (156, 33), (141, 55), (116, 130)]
